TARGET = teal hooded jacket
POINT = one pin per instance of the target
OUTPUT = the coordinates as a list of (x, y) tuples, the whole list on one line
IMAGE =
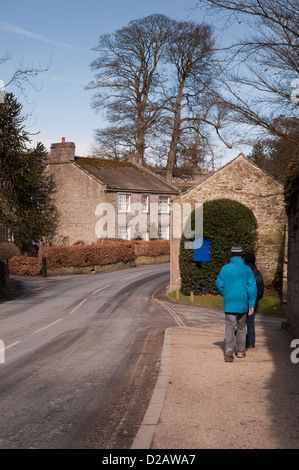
[(237, 284)]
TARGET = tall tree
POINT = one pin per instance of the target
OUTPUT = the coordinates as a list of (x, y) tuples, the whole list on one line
[(26, 208), (261, 73), (189, 51), (126, 74), (113, 142)]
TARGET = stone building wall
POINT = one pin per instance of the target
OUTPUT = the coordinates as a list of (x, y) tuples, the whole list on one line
[(76, 198), (293, 271), (243, 181), (78, 194)]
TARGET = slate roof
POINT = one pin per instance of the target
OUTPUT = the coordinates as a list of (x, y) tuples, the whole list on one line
[(124, 176)]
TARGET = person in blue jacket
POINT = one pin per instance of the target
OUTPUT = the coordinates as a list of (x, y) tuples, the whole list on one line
[(236, 283)]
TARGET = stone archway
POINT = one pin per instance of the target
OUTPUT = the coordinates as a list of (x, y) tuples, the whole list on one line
[(243, 181)]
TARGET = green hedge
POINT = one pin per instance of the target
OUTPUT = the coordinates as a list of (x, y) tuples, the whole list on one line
[(225, 223)]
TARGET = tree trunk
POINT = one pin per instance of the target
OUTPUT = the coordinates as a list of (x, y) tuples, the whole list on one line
[(140, 137), (175, 136)]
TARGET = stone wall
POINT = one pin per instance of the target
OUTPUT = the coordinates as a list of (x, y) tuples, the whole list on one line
[(77, 195), (293, 271), (62, 152), (76, 198), (246, 183)]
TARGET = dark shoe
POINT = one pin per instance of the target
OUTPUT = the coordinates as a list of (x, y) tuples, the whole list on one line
[(229, 356), (241, 354)]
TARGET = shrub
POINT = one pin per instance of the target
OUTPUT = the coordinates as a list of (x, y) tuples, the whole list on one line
[(8, 250), (87, 255), (225, 223), (152, 248), (21, 266), (79, 255)]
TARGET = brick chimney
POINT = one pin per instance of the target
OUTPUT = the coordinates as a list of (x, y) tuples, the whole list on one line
[(135, 158), (63, 152)]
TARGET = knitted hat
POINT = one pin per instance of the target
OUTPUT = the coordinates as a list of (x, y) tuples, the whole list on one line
[(236, 250)]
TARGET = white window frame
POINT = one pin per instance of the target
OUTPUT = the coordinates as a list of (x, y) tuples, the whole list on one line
[(165, 235), (126, 232), (126, 204), (145, 205), (164, 207)]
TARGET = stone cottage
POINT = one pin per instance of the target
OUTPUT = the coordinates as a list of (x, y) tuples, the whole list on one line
[(242, 181), (98, 198)]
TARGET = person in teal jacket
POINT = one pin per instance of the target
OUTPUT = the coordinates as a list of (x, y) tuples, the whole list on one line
[(237, 284)]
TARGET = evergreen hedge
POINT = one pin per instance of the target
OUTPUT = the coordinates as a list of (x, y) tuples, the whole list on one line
[(225, 223)]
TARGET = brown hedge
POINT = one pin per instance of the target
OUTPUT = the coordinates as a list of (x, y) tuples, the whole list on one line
[(109, 252), (152, 248), (87, 255), (20, 266)]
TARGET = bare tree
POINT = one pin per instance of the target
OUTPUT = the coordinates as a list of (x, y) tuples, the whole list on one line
[(190, 52), (113, 142), (152, 79), (126, 74), (190, 156), (21, 76), (261, 73)]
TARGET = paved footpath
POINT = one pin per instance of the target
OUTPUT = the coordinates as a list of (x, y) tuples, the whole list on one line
[(202, 402)]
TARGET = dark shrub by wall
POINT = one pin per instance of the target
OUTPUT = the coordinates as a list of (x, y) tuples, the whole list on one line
[(225, 223)]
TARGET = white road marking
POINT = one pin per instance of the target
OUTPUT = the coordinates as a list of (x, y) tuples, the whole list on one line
[(5, 348), (125, 278), (172, 312), (78, 306), (47, 326), (102, 288)]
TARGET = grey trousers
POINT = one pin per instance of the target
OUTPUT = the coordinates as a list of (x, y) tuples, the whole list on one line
[(235, 342)]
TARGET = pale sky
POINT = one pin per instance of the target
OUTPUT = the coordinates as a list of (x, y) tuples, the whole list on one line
[(59, 35)]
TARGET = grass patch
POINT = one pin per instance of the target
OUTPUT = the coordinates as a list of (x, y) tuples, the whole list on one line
[(210, 301), (270, 304)]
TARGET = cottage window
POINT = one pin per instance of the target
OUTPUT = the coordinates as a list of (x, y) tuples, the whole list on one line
[(123, 232), (145, 203), (164, 232), (124, 202), (164, 205)]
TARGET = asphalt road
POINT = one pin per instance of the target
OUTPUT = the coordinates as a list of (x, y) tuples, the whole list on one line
[(81, 359)]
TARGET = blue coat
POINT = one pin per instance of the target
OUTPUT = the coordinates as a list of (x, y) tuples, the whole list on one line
[(237, 284)]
